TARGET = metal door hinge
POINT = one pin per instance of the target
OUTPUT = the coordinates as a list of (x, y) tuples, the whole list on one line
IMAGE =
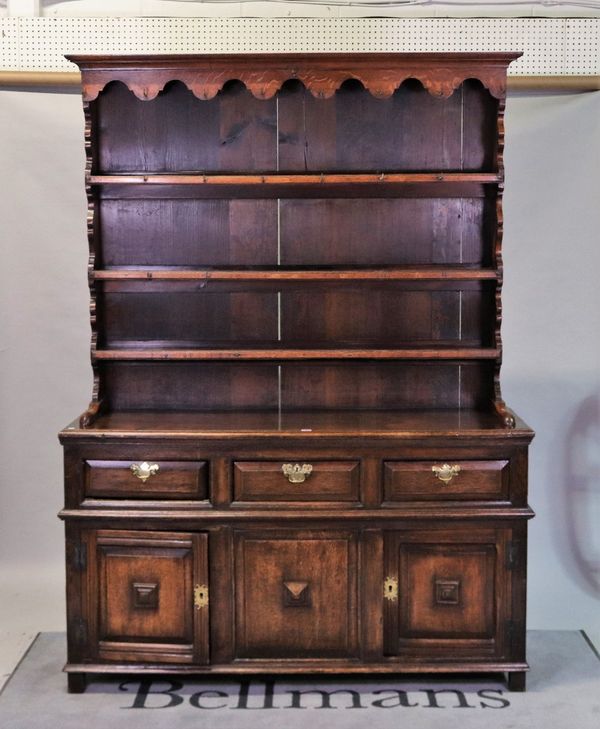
[(200, 596), (390, 588), (512, 553), (80, 556)]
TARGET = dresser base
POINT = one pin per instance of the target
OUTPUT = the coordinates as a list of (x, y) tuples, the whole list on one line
[(78, 675)]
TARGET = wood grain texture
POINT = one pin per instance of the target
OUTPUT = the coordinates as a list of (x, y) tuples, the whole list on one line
[(295, 259), (169, 561), (325, 624), (499, 404), (285, 354), (444, 583), (96, 403), (321, 74), (328, 481), (416, 481), (172, 480), (305, 423), (281, 276), (380, 178)]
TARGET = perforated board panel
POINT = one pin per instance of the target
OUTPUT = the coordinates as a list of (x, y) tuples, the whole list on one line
[(552, 46), (582, 46)]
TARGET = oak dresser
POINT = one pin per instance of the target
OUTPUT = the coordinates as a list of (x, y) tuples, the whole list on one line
[(297, 458)]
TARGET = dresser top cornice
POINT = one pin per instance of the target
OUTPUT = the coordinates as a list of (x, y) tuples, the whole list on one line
[(321, 73)]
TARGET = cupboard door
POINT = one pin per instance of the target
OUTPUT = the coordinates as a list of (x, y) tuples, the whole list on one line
[(447, 593), (149, 596), (296, 594)]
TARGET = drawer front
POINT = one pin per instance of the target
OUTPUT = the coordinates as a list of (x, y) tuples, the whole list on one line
[(296, 481), (147, 479), (445, 480)]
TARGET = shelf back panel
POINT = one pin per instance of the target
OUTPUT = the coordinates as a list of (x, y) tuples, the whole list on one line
[(377, 231), (334, 385), (176, 131), (188, 232), (313, 232), (167, 315)]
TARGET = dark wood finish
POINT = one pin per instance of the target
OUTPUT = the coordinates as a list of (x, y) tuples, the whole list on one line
[(449, 426), (282, 275), (172, 480), (295, 259), (321, 180), (322, 73), (296, 594), (255, 481), (416, 481), (171, 190), (269, 354), (160, 626), (304, 667), (445, 580), (517, 681), (76, 682), (177, 315), (235, 131), (375, 231)]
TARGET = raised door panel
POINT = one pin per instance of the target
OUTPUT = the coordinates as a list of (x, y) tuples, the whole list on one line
[(447, 593), (149, 596), (296, 594)]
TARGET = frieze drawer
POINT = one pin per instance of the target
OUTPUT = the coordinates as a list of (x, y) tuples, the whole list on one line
[(299, 480), (147, 479), (445, 480)]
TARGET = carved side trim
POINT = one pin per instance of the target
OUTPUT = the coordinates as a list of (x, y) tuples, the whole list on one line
[(95, 405), (499, 405)]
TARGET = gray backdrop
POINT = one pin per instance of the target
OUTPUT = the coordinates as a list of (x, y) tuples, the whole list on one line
[(551, 372)]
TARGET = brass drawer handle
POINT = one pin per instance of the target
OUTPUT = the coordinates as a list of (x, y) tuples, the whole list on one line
[(296, 473), (144, 470), (446, 472)]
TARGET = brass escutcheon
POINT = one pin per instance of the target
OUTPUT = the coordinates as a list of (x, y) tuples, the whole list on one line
[(390, 588), (200, 596)]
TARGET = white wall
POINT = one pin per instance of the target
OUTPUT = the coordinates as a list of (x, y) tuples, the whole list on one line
[(551, 331)]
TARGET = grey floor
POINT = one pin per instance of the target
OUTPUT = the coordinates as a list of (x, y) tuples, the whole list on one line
[(31, 600), (563, 691)]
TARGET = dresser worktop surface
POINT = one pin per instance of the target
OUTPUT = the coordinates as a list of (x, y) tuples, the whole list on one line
[(363, 423)]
